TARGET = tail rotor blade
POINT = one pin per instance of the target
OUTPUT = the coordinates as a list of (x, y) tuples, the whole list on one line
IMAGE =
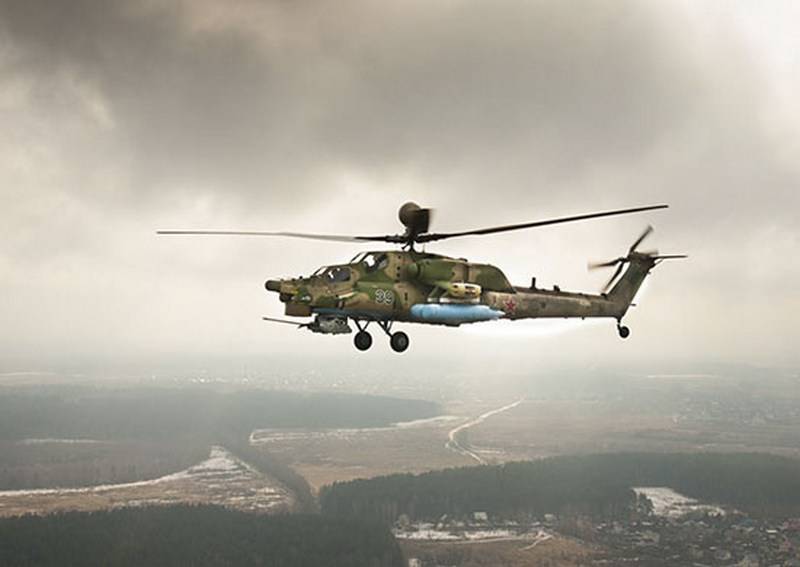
[(613, 278), (651, 253), (633, 256), (639, 240), (596, 265)]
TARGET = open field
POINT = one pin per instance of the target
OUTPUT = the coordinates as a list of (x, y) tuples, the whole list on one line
[(556, 551), (675, 413), (220, 479), (329, 455), (80, 435), (544, 417), (542, 428), (642, 413)]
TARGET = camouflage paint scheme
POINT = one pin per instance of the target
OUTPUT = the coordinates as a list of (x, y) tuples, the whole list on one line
[(411, 286), (384, 285)]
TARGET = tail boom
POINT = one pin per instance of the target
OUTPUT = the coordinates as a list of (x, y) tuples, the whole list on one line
[(532, 303)]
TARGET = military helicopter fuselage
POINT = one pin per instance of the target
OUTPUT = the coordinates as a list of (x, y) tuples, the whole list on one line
[(409, 286), (417, 287)]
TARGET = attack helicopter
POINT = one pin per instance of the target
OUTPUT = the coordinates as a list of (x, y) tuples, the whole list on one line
[(411, 286)]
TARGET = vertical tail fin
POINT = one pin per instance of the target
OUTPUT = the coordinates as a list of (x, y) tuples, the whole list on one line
[(624, 291), (639, 265)]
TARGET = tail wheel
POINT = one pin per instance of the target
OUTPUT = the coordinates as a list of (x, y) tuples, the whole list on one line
[(363, 340), (399, 341), (624, 332)]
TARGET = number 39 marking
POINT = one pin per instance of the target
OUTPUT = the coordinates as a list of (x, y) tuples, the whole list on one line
[(384, 296)]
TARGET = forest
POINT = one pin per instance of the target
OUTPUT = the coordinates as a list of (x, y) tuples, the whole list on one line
[(189, 412), (593, 485), (193, 535), (124, 434)]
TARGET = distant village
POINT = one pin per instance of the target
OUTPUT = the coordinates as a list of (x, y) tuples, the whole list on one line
[(698, 540), (705, 536)]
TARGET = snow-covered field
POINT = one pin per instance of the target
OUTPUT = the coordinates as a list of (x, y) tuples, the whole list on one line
[(672, 504), (443, 535), (432, 533), (221, 479), (265, 436)]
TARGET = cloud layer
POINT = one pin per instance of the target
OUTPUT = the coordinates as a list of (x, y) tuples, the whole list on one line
[(122, 117)]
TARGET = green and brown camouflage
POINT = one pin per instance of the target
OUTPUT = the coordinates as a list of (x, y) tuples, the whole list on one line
[(385, 285), (406, 285)]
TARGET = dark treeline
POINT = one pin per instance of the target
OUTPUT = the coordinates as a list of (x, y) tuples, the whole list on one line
[(193, 535), (158, 413), (274, 467), (511, 490), (42, 465), (596, 485), (756, 483)]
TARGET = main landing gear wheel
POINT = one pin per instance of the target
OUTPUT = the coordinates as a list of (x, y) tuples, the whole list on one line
[(399, 341), (623, 331), (362, 340)]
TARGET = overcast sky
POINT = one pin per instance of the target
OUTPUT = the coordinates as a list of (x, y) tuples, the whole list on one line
[(119, 118)]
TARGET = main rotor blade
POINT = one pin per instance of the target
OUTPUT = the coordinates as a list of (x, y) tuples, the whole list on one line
[(639, 240), (328, 237), (491, 230)]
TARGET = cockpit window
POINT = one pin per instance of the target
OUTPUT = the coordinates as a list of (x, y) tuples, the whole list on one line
[(375, 262), (337, 274)]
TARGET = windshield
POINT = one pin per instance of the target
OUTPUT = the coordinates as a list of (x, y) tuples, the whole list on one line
[(337, 274)]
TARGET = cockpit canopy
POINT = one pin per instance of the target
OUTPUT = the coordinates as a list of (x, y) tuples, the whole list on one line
[(368, 262), (372, 261), (334, 274)]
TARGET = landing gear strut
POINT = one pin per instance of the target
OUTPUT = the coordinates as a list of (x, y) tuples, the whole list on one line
[(363, 340), (623, 331)]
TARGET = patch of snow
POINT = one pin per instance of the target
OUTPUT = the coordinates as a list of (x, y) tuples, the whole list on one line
[(221, 478), (427, 535), (487, 534), (439, 419), (423, 531), (669, 503)]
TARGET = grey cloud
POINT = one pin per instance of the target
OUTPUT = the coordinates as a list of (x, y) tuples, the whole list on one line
[(123, 116), (550, 89)]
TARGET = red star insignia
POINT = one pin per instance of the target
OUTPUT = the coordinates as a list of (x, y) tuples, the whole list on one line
[(510, 306)]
